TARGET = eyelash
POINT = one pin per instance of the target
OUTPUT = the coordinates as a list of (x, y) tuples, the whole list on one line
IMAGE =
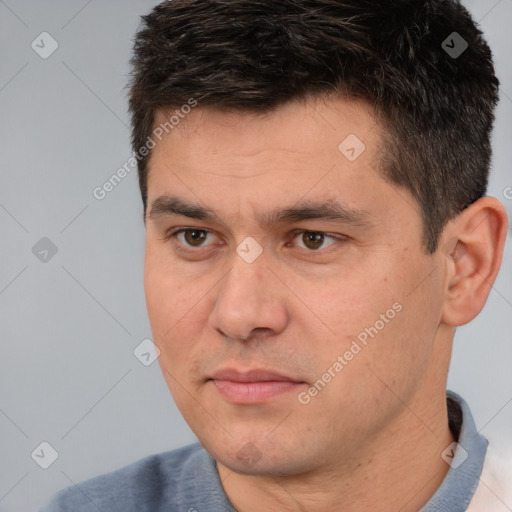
[(174, 233)]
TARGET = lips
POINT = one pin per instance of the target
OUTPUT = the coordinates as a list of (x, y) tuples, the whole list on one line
[(252, 387), (251, 376)]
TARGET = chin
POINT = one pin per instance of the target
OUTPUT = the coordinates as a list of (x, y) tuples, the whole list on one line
[(260, 457)]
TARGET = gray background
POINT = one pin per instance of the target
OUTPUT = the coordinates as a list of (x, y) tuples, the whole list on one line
[(69, 326)]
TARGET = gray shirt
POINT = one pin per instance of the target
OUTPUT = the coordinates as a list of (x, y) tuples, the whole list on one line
[(187, 480)]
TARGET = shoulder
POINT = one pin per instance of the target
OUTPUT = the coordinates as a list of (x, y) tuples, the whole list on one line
[(152, 483), (494, 491)]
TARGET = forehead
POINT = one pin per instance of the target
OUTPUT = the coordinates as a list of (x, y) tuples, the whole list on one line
[(307, 127), (298, 147), (303, 138)]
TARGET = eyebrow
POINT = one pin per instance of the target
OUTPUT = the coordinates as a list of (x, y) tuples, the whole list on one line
[(329, 210)]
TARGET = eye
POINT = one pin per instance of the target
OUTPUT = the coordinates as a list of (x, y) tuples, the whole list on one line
[(313, 240), (192, 237)]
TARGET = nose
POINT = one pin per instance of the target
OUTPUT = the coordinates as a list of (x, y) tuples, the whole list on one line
[(250, 300)]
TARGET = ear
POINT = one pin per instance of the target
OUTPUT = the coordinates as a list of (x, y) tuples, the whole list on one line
[(473, 243)]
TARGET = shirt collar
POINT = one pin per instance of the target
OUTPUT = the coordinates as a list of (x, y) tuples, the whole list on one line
[(465, 457)]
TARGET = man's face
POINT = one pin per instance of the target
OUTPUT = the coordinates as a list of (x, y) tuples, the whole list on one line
[(286, 343)]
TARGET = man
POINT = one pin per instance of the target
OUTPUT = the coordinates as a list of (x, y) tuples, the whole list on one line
[(313, 175)]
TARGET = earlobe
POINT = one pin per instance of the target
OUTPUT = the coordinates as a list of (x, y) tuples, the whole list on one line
[(473, 245)]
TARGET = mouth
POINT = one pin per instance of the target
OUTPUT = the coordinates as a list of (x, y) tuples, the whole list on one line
[(252, 387)]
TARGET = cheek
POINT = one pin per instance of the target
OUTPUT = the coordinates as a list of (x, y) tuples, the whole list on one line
[(177, 309), (400, 335), (161, 298), (165, 307), (170, 293), (355, 302), (374, 319)]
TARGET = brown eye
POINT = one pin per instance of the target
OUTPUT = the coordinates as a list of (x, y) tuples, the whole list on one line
[(194, 237), (189, 237), (313, 240)]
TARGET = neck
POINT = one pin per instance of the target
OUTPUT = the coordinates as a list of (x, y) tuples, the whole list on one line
[(398, 469)]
